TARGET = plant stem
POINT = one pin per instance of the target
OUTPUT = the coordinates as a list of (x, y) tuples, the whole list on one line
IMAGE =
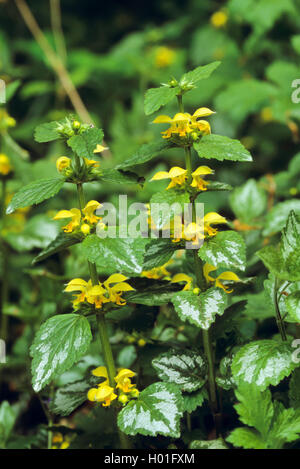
[(201, 283), (279, 319), (5, 263), (55, 13), (102, 328)]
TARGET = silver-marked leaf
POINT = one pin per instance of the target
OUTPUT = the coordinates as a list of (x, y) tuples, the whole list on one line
[(202, 309), (293, 306), (116, 254), (157, 411), (35, 192), (263, 363), (221, 148), (226, 249), (58, 344), (187, 369)]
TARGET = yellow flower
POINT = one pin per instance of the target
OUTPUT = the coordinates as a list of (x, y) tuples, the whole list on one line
[(5, 166), (176, 174), (101, 372), (183, 278), (58, 439), (157, 272), (75, 216), (198, 182), (212, 218), (79, 285), (62, 163), (85, 229), (100, 148), (92, 163), (266, 114), (96, 296), (103, 393), (164, 56), (89, 210), (231, 276), (219, 19), (123, 380), (193, 232), (185, 123), (116, 290)]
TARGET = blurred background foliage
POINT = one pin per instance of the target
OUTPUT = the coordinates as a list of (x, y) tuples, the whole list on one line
[(113, 52)]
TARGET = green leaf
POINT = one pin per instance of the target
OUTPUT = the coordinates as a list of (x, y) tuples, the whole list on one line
[(155, 293), (47, 132), (199, 73), (263, 363), (296, 43), (157, 411), (246, 438), (69, 397), (202, 309), (244, 97), (8, 418), (155, 98), (293, 305), (277, 217), (159, 251), (218, 186), (283, 260), (187, 369), (11, 89), (210, 444), (248, 201), (226, 249), (59, 343), (85, 143), (145, 153), (124, 255), (193, 400), (286, 426), (221, 148), (127, 356), (60, 243), (118, 177), (294, 386), (167, 211), (35, 193)]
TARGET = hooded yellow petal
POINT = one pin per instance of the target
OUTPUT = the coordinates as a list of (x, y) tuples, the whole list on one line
[(160, 175), (63, 214), (176, 171), (124, 373), (206, 271), (202, 170), (100, 372), (181, 278), (203, 111), (91, 395), (229, 276), (77, 284), (123, 286), (181, 117), (213, 218), (92, 205), (115, 278), (163, 119)]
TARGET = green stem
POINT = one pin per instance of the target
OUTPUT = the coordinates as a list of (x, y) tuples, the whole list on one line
[(279, 319), (201, 283), (5, 264), (102, 328)]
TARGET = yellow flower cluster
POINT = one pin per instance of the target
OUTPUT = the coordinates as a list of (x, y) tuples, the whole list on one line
[(178, 177), (84, 220), (105, 394), (230, 276), (60, 442), (5, 166), (109, 292), (183, 124), (196, 231)]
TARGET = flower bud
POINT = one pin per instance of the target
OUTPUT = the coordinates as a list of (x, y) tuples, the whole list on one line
[(85, 229), (196, 291), (134, 392), (141, 342), (76, 125), (123, 399), (62, 163)]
